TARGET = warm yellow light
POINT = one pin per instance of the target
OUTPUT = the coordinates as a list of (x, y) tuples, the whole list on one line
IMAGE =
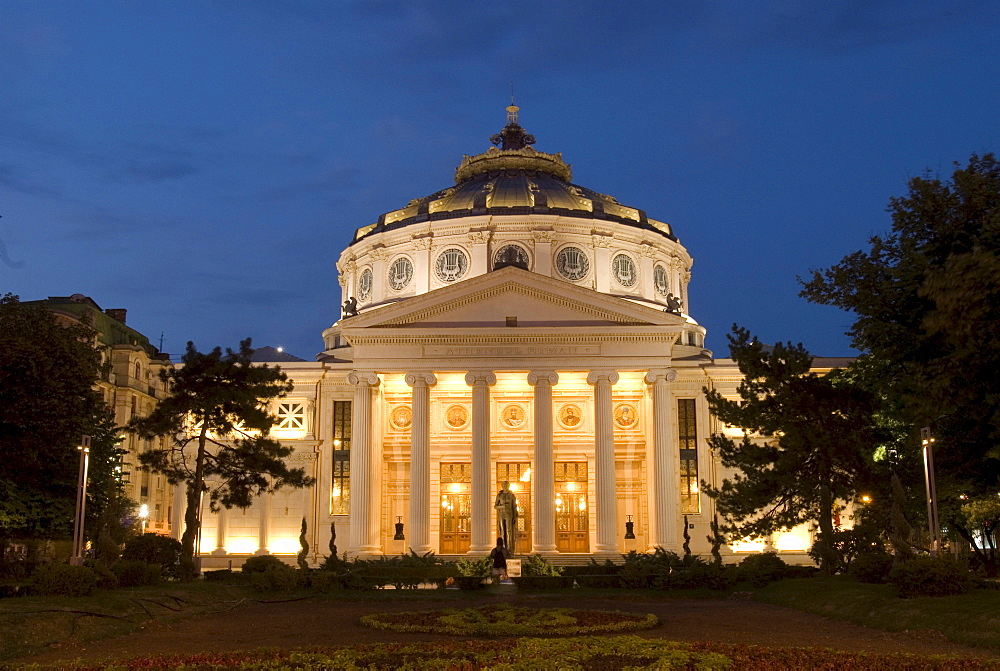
[(241, 546), (284, 545), (866, 499), (583, 504), (694, 487), (570, 486), (793, 540), (336, 442), (514, 487), (144, 511), (455, 487), (336, 491), (526, 477)]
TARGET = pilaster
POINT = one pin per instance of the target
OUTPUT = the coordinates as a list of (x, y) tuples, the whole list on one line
[(365, 469), (604, 460), (420, 462), (482, 528), (544, 484), (665, 482)]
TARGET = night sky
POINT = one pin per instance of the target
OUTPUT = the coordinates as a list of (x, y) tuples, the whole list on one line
[(203, 164)]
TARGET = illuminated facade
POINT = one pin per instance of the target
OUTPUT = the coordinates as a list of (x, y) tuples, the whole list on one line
[(513, 327)]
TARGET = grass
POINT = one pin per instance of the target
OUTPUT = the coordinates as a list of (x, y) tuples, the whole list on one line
[(34, 624), (968, 619)]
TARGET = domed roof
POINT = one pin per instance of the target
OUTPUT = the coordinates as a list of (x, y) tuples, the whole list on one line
[(512, 178)]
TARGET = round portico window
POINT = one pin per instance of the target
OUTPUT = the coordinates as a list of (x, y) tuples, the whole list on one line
[(365, 284), (451, 265), (400, 273), (624, 270), (572, 263), (660, 280)]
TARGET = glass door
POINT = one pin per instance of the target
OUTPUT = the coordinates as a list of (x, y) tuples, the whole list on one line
[(456, 508), (572, 516)]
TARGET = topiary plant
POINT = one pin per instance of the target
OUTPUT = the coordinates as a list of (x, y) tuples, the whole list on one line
[(262, 563), (155, 549), (929, 576), (304, 544), (762, 569)]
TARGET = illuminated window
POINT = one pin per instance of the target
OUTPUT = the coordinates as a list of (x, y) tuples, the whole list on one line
[(340, 490), (687, 435), (572, 517), (291, 416)]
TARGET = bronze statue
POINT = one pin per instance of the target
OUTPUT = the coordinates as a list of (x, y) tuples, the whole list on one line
[(506, 506), (351, 307)]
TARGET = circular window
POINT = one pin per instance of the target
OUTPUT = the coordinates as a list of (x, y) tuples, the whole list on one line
[(624, 270), (572, 263), (660, 280), (451, 265), (365, 284), (400, 273), (510, 255)]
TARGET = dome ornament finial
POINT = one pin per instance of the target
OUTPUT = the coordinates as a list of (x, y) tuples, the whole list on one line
[(512, 136)]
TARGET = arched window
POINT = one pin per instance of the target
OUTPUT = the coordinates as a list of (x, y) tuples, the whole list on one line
[(138, 370)]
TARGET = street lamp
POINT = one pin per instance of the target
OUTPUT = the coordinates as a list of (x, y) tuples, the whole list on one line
[(81, 501), (927, 440), (143, 515)]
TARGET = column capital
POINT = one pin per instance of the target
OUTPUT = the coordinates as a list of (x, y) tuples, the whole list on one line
[(596, 376), (362, 378), (536, 377), (421, 379), (480, 377), (661, 375)]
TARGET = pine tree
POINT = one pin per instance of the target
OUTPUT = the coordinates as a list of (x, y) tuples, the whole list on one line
[(218, 418)]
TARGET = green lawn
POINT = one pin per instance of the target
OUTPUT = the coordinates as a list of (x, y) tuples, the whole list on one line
[(968, 619)]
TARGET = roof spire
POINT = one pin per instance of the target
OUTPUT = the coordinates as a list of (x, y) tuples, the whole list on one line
[(512, 136)]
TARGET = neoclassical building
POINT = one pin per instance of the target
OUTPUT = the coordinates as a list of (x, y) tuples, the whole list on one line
[(514, 327)]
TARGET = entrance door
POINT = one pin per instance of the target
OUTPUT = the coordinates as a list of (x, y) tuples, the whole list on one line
[(456, 508), (572, 516), (519, 477)]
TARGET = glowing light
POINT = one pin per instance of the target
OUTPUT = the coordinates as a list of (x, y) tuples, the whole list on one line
[(526, 477), (241, 545), (746, 545), (284, 545), (694, 487), (583, 504), (336, 442), (144, 511), (570, 486), (455, 487), (514, 487), (794, 540), (281, 349), (866, 499), (336, 490)]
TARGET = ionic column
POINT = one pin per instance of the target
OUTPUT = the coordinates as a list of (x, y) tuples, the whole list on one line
[(263, 524), (664, 472), (544, 475), (365, 468), (604, 460), (221, 519), (482, 505), (420, 462)]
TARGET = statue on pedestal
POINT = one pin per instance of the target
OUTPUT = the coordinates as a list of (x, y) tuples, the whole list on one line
[(506, 506)]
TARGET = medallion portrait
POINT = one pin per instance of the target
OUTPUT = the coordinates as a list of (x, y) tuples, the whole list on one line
[(456, 417), (570, 416), (626, 416), (513, 416), (401, 417)]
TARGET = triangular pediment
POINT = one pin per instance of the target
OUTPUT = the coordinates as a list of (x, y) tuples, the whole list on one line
[(487, 301)]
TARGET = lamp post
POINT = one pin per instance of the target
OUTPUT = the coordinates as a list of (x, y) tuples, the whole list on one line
[(81, 501), (927, 440), (143, 515)]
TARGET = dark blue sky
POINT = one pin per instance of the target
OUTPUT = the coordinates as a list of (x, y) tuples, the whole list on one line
[(204, 163)]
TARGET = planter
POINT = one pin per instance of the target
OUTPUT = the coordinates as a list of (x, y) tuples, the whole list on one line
[(543, 582)]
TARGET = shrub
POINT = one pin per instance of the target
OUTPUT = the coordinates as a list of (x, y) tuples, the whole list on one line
[(648, 570), (106, 579), (275, 578), (537, 565), (155, 549), (871, 567), (598, 581), (221, 575), (63, 580), (263, 563), (593, 568), (136, 573), (762, 569), (929, 576), (710, 576), (475, 567), (325, 581)]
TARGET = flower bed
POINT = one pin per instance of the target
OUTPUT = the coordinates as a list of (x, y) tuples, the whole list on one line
[(595, 653), (504, 620)]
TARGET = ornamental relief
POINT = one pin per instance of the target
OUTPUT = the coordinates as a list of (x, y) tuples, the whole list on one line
[(570, 417), (401, 417), (513, 416), (626, 416), (456, 417)]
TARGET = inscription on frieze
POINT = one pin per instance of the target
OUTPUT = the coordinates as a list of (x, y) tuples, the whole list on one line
[(481, 351)]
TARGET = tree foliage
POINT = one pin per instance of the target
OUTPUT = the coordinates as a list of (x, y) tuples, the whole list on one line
[(217, 417), (926, 300), (47, 402), (805, 444)]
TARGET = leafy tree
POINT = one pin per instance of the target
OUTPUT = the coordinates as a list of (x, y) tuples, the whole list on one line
[(814, 434), (217, 417), (47, 402), (926, 300)]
